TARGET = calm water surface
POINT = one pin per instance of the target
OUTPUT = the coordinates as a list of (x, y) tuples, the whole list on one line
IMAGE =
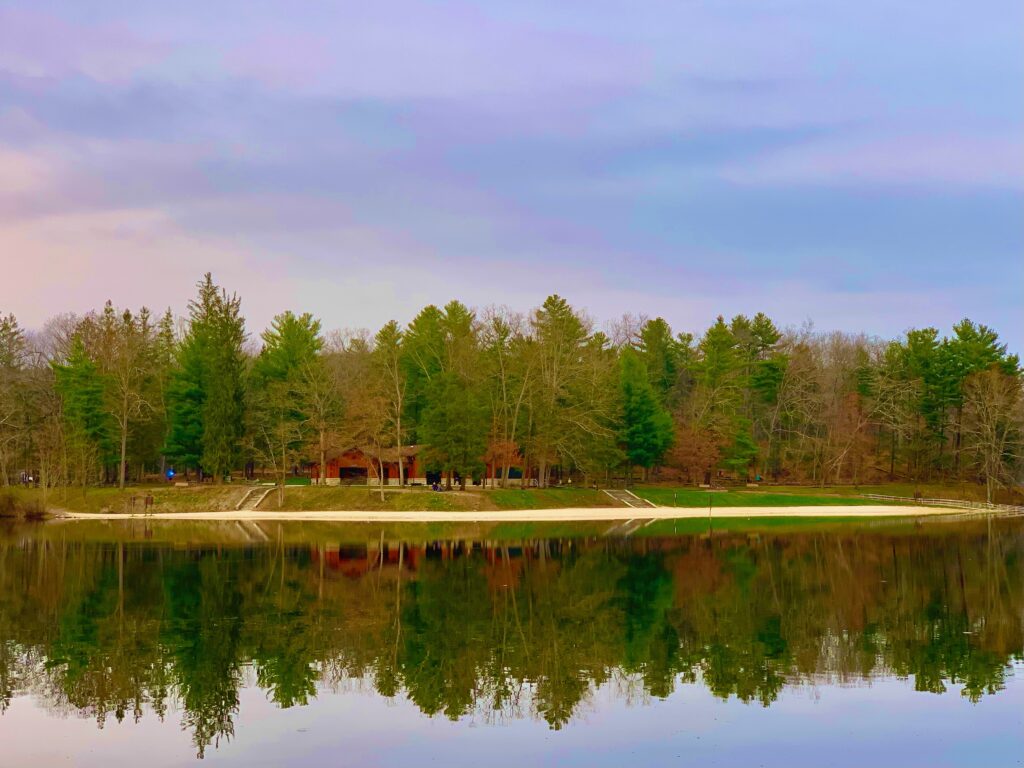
[(269, 645)]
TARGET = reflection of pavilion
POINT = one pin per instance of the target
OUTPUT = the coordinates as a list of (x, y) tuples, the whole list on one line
[(355, 561), (504, 561)]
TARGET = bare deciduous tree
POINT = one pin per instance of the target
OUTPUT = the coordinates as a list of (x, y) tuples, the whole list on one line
[(994, 426)]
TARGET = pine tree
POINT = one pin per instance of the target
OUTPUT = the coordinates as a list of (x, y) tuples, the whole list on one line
[(80, 385), (278, 409), (660, 353), (646, 429), (14, 422), (223, 407), (421, 360), (205, 393), (186, 395), (454, 421)]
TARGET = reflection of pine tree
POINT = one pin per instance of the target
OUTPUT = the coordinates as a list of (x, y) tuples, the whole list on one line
[(530, 629)]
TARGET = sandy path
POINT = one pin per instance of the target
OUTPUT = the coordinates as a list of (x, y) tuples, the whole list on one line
[(534, 515)]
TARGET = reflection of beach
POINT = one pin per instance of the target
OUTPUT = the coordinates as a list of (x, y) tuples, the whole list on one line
[(534, 515)]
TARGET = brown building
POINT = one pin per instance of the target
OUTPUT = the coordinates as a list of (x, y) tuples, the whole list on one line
[(362, 465)]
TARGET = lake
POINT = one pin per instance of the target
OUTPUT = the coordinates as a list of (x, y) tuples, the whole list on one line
[(265, 645)]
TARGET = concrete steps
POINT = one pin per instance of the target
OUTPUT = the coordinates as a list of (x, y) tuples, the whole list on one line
[(629, 498)]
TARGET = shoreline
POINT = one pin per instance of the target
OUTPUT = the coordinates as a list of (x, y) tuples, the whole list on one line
[(569, 514)]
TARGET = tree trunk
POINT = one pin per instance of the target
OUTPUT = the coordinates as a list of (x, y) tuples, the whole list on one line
[(124, 452), (323, 458), (398, 442)]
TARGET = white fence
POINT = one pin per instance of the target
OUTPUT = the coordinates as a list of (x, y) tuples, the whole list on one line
[(952, 503)]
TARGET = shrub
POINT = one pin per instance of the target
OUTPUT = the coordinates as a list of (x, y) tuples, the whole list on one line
[(12, 506)]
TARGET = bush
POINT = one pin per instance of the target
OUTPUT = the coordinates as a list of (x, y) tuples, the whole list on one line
[(11, 505)]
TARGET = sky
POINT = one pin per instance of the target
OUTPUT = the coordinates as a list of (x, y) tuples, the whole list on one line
[(860, 165)]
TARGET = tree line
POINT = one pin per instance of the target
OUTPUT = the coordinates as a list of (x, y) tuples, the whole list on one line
[(115, 395)]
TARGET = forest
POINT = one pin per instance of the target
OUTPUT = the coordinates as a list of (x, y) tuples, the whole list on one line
[(119, 396)]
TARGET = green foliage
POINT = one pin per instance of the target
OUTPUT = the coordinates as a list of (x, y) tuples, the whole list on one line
[(80, 385), (454, 421), (544, 395), (422, 357), (741, 451), (13, 345), (661, 354), (223, 407), (290, 345), (186, 396), (280, 409), (646, 424), (206, 392)]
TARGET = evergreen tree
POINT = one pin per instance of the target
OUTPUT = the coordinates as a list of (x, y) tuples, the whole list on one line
[(150, 436), (660, 353), (223, 407), (564, 412), (80, 385), (290, 344), (279, 410), (206, 391), (186, 395), (454, 422), (421, 361), (646, 425), (14, 418)]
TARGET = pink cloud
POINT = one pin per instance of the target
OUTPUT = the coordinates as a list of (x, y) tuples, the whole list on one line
[(39, 45)]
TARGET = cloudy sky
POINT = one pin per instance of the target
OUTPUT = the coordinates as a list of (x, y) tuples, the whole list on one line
[(857, 163)]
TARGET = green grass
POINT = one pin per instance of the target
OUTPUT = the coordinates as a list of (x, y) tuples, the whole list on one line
[(548, 498), (955, 491), (213, 498), (316, 498), (166, 498), (691, 497), (363, 498)]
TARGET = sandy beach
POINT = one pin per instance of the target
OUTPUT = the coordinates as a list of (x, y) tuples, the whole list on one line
[(534, 515)]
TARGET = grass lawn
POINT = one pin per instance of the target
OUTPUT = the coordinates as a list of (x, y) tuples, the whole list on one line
[(548, 498), (214, 498), (956, 491), (210, 498), (362, 498), (316, 498), (693, 497)]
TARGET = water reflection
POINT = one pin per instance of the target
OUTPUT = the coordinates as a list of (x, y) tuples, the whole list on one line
[(502, 630)]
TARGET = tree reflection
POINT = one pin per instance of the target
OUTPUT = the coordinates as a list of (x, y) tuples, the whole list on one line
[(503, 630)]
